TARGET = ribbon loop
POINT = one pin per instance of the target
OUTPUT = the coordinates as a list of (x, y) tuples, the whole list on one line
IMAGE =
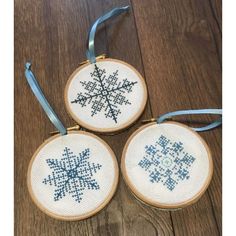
[(195, 112), (90, 53), (35, 87)]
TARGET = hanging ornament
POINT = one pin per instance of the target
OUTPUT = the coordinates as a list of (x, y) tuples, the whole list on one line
[(104, 94), (168, 165), (72, 175)]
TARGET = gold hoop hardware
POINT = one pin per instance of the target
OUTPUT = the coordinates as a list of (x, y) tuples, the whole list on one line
[(73, 128)]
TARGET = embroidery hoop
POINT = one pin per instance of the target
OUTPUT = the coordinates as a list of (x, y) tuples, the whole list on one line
[(91, 59), (129, 122), (35, 87), (78, 217), (157, 204)]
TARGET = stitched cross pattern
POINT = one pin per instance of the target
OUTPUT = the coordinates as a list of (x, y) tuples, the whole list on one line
[(167, 162), (72, 174), (105, 93)]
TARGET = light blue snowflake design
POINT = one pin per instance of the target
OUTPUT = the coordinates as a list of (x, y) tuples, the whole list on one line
[(72, 174), (105, 93), (167, 162)]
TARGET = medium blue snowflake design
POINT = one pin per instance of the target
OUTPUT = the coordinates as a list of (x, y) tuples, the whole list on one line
[(167, 162), (105, 93), (72, 174)]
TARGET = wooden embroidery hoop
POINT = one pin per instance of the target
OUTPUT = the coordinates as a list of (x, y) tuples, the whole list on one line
[(107, 130), (148, 201), (82, 216)]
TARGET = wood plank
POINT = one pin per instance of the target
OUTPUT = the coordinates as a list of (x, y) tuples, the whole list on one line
[(179, 51), (51, 36), (179, 41), (54, 59), (123, 44)]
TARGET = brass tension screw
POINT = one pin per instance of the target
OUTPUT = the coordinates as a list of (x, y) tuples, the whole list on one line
[(149, 120), (103, 56), (73, 128), (153, 120)]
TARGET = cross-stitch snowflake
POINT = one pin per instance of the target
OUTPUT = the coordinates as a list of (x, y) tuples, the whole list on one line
[(167, 162), (72, 174), (105, 93)]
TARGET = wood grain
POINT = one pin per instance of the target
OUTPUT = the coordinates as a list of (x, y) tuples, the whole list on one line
[(175, 45)]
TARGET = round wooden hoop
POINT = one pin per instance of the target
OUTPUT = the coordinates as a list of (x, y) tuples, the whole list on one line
[(149, 201), (108, 130), (82, 216)]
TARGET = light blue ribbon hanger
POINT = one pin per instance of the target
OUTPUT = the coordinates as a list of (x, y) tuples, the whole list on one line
[(213, 125), (42, 100), (90, 53)]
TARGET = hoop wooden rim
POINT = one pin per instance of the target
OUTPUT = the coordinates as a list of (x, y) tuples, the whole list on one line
[(149, 201), (82, 216), (106, 130)]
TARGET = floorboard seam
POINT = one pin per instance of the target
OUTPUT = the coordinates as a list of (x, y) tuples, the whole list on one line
[(141, 55)]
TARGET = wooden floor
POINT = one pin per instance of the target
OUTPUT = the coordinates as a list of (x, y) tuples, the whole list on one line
[(175, 45)]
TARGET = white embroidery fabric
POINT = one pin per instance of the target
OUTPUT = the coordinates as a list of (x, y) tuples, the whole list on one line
[(111, 99), (162, 171), (87, 163)]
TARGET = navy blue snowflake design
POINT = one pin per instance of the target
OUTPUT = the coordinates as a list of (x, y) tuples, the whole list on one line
[(105, 93), (72, 174), (167, 162)]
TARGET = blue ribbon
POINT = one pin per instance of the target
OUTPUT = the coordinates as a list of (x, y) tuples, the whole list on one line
[(90, 53), (195, 112), (42, 100)]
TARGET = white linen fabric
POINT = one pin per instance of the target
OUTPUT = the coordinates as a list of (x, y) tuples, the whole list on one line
[(72, 175), (106, 95), (166, 164)]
